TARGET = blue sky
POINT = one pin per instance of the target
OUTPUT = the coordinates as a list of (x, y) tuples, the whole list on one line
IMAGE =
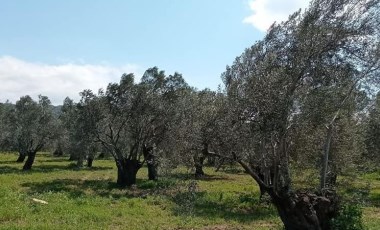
[(58, 48)]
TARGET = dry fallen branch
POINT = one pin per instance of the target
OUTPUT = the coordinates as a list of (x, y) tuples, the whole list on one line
[(39, 201)]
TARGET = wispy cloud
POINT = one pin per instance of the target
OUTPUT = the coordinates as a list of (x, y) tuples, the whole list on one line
[(20, 77), (266, 12)]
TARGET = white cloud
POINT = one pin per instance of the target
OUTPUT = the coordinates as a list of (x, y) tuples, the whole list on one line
[(19, 78), (266, 12)]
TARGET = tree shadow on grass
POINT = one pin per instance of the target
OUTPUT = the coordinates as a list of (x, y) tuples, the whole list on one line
[(47, 168), (207, 177), (241, 208), (234, 169), (51, 168), (103, 188), (74, 187), (13, 162), (375, 199), (56, 159), (10, 170)]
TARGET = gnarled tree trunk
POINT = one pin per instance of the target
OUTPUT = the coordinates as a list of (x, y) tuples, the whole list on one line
[(211, 160), (80, 161), (73, 156), (89, 161), (151, 162), (90, 156), (199, 161), (306, 211), (21, 157), (299, 210), (58, 151), (29, 161), (102, 155), (198, 164), (127, 171)]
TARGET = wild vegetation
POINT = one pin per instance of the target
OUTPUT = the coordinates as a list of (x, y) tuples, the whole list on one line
[(302, 101)]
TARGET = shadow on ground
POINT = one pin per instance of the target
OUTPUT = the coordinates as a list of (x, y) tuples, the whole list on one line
[(189, 176), (375, 199), (74, 187), (56, 159), (237, 207), (10, 169), (104, 188), (13, 162), (45, 168)]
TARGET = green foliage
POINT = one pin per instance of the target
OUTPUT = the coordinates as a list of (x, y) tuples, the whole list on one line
[(89, 198), (373, 132), (306, 74), (31, 124), (349, 218)]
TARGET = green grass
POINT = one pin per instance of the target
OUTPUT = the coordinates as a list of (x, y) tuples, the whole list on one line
[(89, 199)]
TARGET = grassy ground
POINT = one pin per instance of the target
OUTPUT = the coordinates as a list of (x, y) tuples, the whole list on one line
[(88, 199)]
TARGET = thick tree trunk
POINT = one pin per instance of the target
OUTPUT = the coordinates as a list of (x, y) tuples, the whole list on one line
[(133, 167), (29, 161), (127, 171), (306, 211), (211, 160), (80, 162), (102, 155), (150, 159), (58, 151), (152, 172), (121, 174), (300, 210), (198, 163), (89, 161), (21, 157), (73, 157)]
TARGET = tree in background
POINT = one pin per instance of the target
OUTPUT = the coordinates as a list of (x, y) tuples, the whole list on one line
[(196, 136), (372, 137), (154, 113), (76, 135), (5, 129), (33, 125), (131, 121)]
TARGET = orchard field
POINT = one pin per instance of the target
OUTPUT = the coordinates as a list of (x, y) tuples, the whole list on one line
[(90, 199)]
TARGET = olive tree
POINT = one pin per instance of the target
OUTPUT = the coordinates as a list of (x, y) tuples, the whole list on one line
[(131, 120), (76, 136), (33, 125), (154, 115), (334, 46), (5, 128), (197, 131), (372, 135)]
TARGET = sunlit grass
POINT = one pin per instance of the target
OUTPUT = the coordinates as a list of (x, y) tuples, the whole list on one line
[(90, 199)]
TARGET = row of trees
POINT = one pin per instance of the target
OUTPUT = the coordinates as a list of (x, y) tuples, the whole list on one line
[(302, 97)]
